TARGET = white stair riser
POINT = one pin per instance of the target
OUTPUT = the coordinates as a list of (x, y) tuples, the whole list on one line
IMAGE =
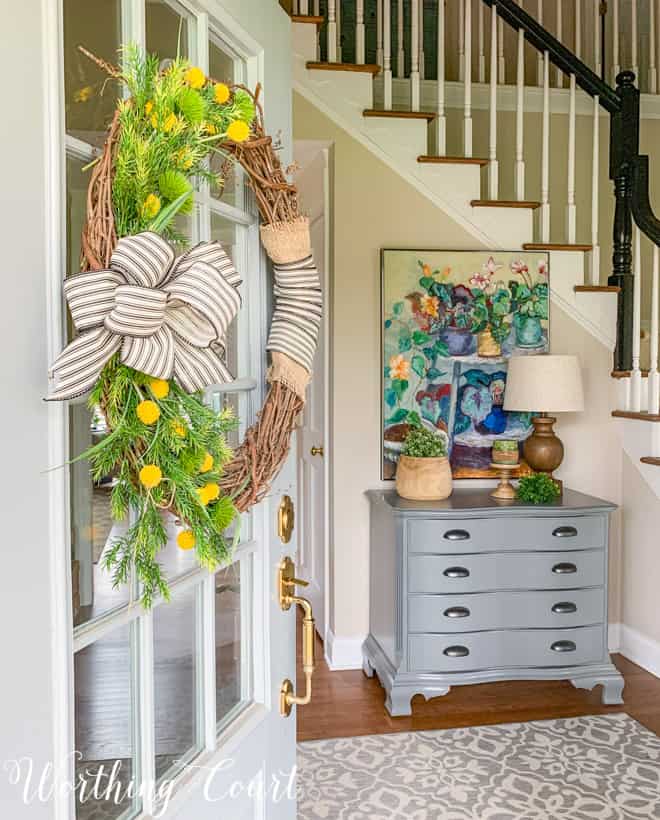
[(398, 137), (462, 182), (639, 439), (304, 41)]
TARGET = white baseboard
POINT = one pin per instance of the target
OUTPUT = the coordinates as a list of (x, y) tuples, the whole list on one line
[(343, 653), (640, 649), (614, 637)]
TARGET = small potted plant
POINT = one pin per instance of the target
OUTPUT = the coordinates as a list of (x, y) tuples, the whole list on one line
[(423, 472), (505, 451), (529, 304)]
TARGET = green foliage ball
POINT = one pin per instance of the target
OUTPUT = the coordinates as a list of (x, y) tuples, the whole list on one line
[(538, 488), (422, 443)]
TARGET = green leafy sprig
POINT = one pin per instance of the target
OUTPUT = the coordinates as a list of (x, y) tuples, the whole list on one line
[(538, 488)]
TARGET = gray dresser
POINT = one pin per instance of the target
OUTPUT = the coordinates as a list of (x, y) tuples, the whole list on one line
[(470, 590)]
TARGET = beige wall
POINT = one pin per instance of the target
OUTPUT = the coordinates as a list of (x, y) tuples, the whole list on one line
[(640, 570), (375, 208)]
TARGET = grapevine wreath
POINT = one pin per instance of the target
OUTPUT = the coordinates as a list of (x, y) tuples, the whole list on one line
[(152, 326)]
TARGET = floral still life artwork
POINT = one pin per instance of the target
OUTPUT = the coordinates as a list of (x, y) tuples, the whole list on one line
[(451, 320)]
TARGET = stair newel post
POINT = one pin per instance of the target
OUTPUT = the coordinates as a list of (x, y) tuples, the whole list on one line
[(440, 123), (387, 54), (624, 145)]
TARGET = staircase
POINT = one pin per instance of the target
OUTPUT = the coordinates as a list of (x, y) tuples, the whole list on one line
[(411, 138)]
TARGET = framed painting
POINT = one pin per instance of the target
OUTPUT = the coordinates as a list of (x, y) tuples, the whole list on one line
[(451, 319)]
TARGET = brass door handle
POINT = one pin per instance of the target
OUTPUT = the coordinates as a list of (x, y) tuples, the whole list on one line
[(317, 451), (286, 584)]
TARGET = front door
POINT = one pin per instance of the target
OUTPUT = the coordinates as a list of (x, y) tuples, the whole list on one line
[(184, 698)]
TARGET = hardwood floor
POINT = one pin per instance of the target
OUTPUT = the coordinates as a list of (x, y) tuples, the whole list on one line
[(345, 704)]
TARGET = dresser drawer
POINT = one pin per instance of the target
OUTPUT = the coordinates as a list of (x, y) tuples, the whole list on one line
[(501, 534), (503, 650), (525, 570), (505, 610)]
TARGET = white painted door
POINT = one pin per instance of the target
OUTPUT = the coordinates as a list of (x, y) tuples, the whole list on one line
[(313, 452)]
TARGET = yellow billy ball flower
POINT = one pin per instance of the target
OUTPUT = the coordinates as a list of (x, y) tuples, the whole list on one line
[(210, 128), (154, 121), (203, 496), (207, 464), (186, 539), (148, 107), (148, 412), (194, 77), (151, 206), (150, 476), (212, 490), (179, 429), (160, 388), (220, 93), (238, 131), (170, 121)]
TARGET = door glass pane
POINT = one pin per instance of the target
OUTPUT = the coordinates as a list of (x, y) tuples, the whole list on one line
[(89, 96), (167, 30), (176, 681), (227, 68), (104, 726), (229, 234), (231, 656)]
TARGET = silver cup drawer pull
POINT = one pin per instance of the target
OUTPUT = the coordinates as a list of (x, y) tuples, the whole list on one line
[(564, 568), (564, 608), (565, 532), (456, 535), (456, 572), (456, 651), (457, 612), (563, 646)]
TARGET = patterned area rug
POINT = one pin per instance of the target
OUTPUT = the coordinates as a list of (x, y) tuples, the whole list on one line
[(587, 768)]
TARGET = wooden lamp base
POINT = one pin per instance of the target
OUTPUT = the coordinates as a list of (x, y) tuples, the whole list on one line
[(505, 491)]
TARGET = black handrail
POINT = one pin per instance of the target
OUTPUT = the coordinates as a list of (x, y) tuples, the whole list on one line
[(628, 168)]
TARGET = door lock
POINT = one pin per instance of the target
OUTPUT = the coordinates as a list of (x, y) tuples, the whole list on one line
[(287, 582), (285, 519)]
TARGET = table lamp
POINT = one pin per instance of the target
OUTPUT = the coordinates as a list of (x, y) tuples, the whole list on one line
[(544, 384)]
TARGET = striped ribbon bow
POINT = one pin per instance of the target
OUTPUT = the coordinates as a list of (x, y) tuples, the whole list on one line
[(167, 317)]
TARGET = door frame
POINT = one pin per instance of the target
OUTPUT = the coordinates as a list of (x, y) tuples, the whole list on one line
[(216, 745)]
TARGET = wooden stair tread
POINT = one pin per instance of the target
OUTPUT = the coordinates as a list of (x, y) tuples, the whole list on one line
[(650, 460), (504, 203), (626, 374), (394, 114), (596, 289), (550, 246), (367, 68), (628, 414), (427, 158), (307, 18)]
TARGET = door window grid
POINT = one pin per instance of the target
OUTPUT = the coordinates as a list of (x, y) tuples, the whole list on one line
[(208, 722)]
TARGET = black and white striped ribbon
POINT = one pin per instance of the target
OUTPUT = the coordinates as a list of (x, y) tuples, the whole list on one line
[(166, 317), (298, 311)]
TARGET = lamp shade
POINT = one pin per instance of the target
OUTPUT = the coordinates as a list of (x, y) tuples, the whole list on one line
[(544, 383)]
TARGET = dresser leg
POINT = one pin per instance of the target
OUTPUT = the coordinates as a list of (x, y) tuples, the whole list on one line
[(398, 703), (612, 687), (367, 668)]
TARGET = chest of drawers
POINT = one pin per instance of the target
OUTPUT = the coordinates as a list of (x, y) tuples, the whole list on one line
[(469, 590)]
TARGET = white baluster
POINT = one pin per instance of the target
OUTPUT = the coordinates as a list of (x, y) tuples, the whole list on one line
[(387, 55), (571, 211), (295, 8), (339, 46), (578, 29), (414, 55), (482, 52), (467, 75), (559, 75), (332, 32), (616, 64), (422, 60), (379, 31), (596, 24), (654, 377), (520, 96), (441, 120), (359, 32), (461, 40), (539, 56), (636, 375), (501, 66), (595, 183), (492, 136), (544, 215), (633, 41), (653, 74), (317, 12), (400, 53), (303, 7)]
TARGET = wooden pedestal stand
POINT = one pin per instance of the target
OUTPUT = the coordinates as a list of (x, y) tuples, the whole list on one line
[(504, 491)]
